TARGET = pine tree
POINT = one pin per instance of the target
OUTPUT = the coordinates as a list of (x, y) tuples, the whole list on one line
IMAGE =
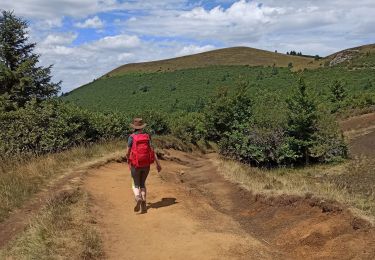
[(338, 95), (302, 117), (21, 79), (338, 91)]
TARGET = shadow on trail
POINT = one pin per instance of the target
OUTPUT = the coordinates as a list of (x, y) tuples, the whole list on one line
[(164, 202)]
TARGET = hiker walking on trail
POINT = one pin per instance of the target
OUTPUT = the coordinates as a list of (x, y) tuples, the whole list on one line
[(140, 156)]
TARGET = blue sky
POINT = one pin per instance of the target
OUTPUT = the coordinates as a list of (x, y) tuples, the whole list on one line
[(86, 38)]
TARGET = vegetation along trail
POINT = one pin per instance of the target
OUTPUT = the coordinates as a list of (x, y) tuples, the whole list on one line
[(194, 213)]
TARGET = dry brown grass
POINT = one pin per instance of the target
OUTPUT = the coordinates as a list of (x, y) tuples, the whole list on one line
[(227, 56), (62, 230), (22, 177), (350, 183)]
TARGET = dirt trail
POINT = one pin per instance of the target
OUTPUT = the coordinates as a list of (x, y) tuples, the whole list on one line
[(360, 131), (179, 224), (194, 213)]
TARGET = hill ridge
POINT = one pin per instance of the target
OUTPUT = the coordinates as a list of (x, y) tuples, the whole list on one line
[(238, 55)]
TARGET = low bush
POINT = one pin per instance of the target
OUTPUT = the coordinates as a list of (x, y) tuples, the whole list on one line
[(189, 127), (53, 126)]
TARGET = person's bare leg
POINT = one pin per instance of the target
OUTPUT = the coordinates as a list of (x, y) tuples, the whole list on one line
[(143, 193), (136, 191), (144, 174), (136, 188)]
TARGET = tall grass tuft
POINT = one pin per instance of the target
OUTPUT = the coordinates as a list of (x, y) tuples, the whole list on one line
[(62, 230)]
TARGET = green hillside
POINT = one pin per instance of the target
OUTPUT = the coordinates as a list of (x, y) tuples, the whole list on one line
[(187, 89)]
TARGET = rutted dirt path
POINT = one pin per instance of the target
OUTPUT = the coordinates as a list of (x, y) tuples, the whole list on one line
[(194, 213), (180, 224)]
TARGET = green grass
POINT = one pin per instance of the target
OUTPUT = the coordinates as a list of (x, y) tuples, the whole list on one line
[(189, 88)]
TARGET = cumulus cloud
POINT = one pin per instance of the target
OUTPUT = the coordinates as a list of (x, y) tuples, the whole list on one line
[(95, 23), (243, 20), (59, 39), (193, 49)]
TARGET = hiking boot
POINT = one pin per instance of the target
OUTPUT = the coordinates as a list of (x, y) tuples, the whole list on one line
[(143, 207), (138, 202)]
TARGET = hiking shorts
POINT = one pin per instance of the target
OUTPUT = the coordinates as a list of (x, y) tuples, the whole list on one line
[(139, 176)]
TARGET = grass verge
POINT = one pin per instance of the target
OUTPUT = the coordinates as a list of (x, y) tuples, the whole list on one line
[(350, 183), (21, 177), (62, 230)]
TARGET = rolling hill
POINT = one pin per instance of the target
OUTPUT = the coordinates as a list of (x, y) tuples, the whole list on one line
[(185, 83), (228, 56)]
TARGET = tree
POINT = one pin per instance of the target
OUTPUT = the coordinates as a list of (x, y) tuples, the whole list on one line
[(302, 117), (21, 79), (338, 91)]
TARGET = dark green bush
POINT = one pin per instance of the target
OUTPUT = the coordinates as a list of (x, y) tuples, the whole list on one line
[(53, 125), (46, 127), (225, 111), (157, 122), (190, 127)]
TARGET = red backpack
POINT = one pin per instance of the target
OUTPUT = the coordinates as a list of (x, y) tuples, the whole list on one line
[(141, 154)]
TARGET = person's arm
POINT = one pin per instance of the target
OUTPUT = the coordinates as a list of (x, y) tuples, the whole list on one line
[(130, 143), (158, 166), (128, 154)]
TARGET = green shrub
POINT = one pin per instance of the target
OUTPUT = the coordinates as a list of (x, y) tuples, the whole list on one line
[(258, 146), (328, 142), (53, 125), (190, 127), (46, 127), (157, 122), (225, 111), (110, 125)]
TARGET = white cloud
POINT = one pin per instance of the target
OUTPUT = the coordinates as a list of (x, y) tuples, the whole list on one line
[(95, 23), (116, 43), (193, 49), (59, 39), (243, 20)]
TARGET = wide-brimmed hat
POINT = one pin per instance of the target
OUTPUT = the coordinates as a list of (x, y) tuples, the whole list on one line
[(138, 124)]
